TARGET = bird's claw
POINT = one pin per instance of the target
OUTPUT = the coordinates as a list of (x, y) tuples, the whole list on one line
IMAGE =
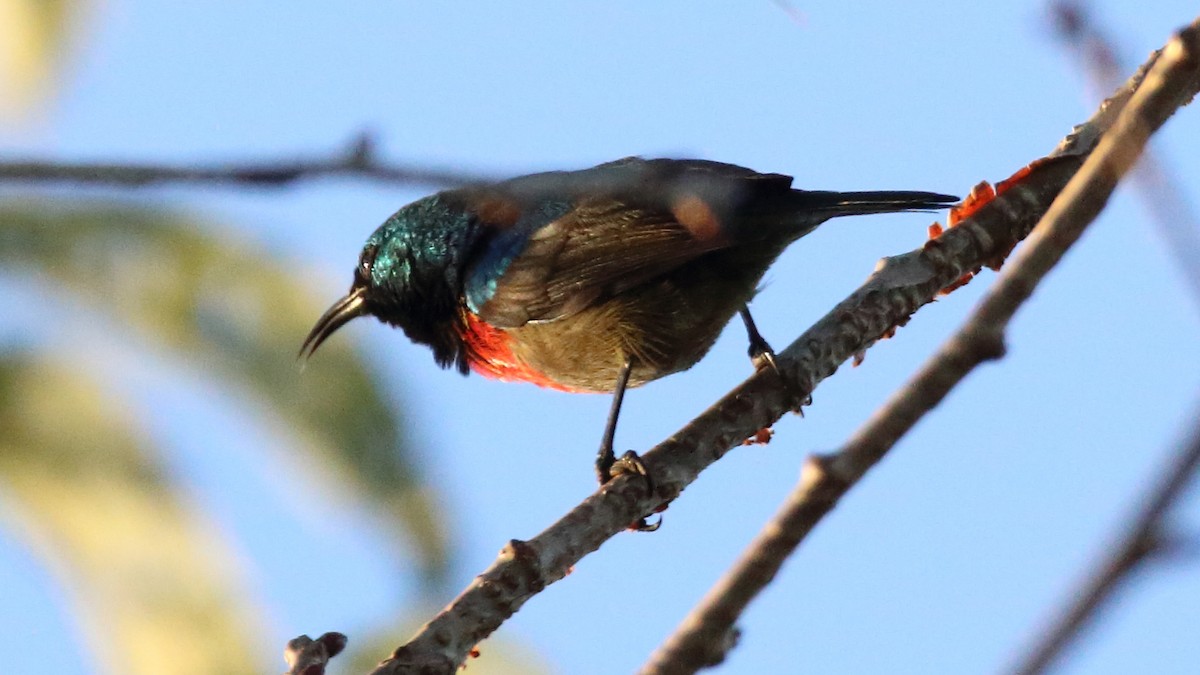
[(640, 525), (761, 354), (608, 468), (630, 463), (763, 357)]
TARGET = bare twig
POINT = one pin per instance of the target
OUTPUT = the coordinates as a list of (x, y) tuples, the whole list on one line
[(705, 635), (1170, 211), (358, 160), (1143, 537), (306, 656)]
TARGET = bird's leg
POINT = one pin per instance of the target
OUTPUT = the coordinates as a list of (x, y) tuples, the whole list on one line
[(608, 466), (762, 356)]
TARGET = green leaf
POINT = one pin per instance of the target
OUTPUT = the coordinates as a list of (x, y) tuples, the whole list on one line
[(235, 312)]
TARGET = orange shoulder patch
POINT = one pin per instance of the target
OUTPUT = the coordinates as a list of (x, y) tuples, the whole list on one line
[(698, 218), (498, 210)]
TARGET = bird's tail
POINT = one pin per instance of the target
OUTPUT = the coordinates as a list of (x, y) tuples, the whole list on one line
[(834, 204)]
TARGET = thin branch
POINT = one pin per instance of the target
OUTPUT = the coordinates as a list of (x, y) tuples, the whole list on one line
[(706, 634), (306, 656), (357, 160), (1159, 191), (1143, 537)]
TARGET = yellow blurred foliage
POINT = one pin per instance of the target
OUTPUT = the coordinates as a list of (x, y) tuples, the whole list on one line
[(33, 40), (155, 586)]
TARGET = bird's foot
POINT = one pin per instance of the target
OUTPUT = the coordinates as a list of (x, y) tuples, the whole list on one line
[(761, 354), (609, 467), (763, 357)]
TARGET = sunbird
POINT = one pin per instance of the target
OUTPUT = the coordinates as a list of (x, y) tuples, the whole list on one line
[(593, 280)]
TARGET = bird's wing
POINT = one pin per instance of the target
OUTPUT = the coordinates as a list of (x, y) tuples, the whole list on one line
[(566, 257), (558, 242)]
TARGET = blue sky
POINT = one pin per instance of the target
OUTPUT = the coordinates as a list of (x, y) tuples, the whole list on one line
[(946, 558)]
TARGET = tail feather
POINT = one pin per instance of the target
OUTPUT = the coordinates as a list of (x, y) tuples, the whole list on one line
[(880, 201), (833, 204)]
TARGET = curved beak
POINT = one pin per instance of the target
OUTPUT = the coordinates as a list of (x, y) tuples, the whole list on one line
[(335, 317)]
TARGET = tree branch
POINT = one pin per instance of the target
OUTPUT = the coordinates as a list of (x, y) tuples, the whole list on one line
[(356, 160), (306, 656), (1144, 536), (706, 634), (1160, 192)]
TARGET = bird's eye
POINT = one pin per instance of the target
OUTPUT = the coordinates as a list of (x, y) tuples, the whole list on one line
[(366, 261)]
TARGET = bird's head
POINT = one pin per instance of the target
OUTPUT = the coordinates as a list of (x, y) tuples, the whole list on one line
[(409, 275)]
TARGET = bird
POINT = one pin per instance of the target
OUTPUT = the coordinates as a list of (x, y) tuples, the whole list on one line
[(593, 280)]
